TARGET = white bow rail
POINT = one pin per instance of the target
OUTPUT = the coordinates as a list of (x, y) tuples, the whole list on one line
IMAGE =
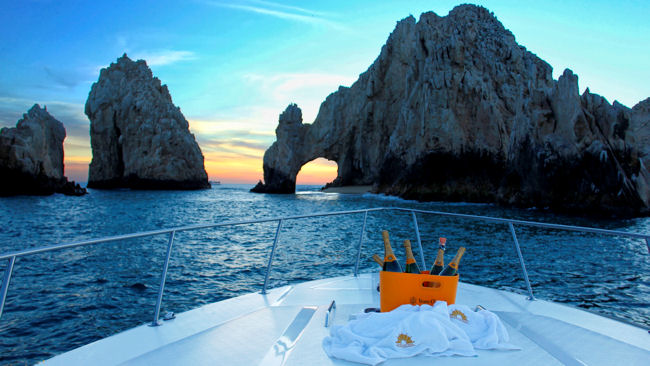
[(11, 256)]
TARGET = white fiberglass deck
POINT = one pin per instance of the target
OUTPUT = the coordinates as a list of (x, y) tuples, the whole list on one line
[(251, 329)]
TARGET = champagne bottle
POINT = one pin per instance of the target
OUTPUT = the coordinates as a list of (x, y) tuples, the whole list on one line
[(439, 264), (377, 259), (411, 264), (452, 267), (390, 262)]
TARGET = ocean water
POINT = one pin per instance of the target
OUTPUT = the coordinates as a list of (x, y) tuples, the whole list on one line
[(63, 299)]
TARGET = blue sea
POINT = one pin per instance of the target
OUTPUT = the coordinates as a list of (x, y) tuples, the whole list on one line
[(64, 299)]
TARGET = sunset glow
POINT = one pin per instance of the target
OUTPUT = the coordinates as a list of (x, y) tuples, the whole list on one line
[(318, 171)]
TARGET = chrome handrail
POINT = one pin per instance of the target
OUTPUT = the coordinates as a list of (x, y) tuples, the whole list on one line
[(12, 256), (177, 229)]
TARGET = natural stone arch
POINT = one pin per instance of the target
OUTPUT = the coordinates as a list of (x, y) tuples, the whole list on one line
[(297, 144), (284, 159), (454, 109), (318, 171)]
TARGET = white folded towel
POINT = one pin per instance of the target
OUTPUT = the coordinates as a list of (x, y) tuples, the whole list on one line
[(409, 330)]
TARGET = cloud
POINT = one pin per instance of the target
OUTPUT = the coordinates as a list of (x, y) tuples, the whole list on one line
[(70, 114), (234, 156), (152, 57), (280, 11), (12, 109), (262, 134), (163, 57), (285, 84), (79, 145), (269, 95), (308, 90), (239, 143), (290, 7), (63, 78), (241, 147), (224, 127)]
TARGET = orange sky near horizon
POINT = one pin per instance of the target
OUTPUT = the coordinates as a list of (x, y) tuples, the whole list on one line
[(233, 152), (220, 166)]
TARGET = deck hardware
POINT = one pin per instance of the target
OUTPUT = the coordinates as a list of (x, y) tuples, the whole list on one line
[(363, 230), (268, 267), (279, 352), (161, 289), (169, 316), (329, 316), (521, 262)]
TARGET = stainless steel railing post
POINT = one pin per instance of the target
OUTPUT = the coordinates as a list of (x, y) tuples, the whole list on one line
[(363, 231), (5, 283), (417, 236), (647, 243), (161, 289), (521, 262), (268, 267)]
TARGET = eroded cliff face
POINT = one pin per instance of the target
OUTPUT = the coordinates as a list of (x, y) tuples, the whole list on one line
[(454, 109), (31, 157), (139, 138)]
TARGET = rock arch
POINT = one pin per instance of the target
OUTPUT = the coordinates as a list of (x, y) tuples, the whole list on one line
[(318, 171), (454, 109), (297, 144)]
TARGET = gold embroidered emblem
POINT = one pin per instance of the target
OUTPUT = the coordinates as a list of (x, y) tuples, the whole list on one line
[(403, 340), (457, 314)]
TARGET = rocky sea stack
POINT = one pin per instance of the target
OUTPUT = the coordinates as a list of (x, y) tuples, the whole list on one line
[(454, 109), (139, 139), (31, 157)]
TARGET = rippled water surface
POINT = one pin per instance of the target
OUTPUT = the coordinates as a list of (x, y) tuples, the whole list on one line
[(63, 299)]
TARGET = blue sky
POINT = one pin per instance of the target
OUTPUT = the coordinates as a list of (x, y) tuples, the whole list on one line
[(233, 66)]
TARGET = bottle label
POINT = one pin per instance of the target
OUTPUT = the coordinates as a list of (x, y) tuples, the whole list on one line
[(453, 265), (410, 260), (390, 258)]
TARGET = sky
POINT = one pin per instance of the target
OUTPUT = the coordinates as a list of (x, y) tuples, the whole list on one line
[(234, 66)]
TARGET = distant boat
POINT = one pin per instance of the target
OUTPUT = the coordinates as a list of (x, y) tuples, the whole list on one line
[(215, 182)]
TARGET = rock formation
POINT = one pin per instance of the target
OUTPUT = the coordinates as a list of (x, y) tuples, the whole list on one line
[(454, 109), (139, 139), (31, 157)]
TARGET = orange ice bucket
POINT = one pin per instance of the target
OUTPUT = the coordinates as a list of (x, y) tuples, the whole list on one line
[(396, 288)]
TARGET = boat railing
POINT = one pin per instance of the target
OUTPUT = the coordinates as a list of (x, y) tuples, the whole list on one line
[(12, 256)]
